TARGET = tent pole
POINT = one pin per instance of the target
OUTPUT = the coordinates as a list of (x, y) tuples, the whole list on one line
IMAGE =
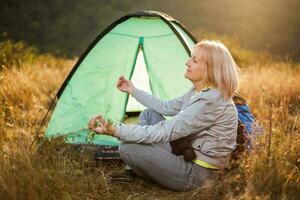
[(42, 122)]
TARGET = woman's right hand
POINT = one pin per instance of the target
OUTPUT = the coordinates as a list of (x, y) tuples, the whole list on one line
[(125, 85)]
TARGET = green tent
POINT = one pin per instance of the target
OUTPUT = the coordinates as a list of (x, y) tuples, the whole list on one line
[(150, 48)]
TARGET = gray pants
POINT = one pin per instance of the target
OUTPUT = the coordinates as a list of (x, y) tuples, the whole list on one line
[(157, 163)]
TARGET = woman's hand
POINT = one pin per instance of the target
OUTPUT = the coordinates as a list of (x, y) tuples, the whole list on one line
[(103, 128), (125, 85)]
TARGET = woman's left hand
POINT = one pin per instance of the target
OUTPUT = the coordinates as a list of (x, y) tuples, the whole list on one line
[(103, 128)]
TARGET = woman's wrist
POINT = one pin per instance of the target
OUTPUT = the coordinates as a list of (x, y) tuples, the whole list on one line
[(132, 91), (112, 130)]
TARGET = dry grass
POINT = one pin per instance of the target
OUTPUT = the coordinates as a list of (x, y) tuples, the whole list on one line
[(56, 171)]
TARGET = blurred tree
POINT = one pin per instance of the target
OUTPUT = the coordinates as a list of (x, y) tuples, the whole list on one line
[(69, 26)]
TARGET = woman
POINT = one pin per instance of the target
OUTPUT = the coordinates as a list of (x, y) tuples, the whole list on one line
[(205, 114)]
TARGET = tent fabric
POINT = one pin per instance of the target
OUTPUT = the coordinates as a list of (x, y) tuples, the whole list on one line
[(90, 87)]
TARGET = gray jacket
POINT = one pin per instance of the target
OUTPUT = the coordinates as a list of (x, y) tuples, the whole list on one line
[(209, 119)]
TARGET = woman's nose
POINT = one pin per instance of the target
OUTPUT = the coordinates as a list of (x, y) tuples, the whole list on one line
[(187, 63)]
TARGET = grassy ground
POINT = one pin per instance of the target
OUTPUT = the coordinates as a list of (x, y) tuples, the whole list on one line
[(56, 171)]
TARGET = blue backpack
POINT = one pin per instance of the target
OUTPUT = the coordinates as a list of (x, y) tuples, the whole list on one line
[(247, 128)]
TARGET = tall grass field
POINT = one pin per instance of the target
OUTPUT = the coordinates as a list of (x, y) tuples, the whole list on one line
[(57, 171)]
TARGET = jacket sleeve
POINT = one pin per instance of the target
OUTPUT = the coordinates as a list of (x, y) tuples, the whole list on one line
[(195, 118), (168, 108)]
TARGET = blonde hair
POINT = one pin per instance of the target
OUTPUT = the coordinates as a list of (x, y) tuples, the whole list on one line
[(222, 71)]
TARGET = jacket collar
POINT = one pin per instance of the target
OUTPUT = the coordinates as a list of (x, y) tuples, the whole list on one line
[(201, 95)]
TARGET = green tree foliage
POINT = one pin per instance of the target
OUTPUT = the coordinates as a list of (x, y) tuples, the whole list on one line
[(15, 53), (69, 26)]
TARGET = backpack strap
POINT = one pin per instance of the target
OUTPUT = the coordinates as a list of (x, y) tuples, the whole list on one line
[(238, 100)]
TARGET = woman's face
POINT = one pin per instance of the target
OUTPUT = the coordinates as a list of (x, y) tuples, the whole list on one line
[(196, 67)]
